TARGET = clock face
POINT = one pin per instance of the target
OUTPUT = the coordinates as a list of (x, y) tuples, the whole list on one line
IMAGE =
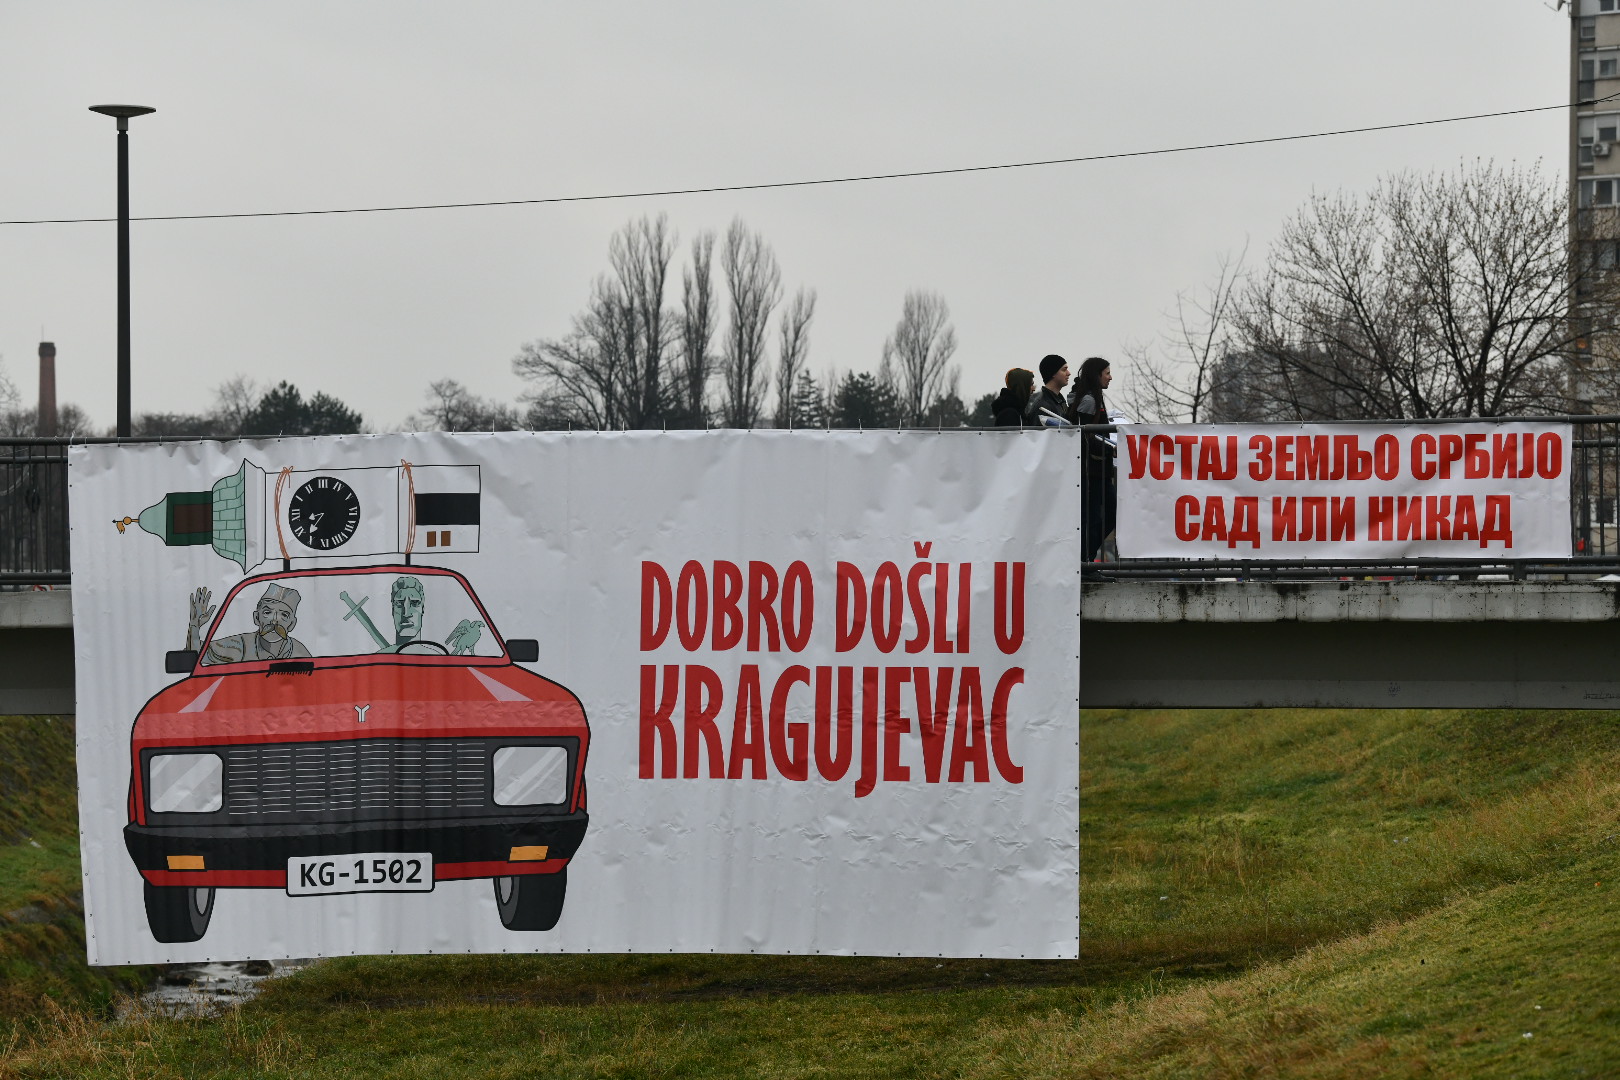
[(324, 513)]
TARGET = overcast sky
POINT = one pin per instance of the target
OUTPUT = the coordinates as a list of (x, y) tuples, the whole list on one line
[(302, 105)]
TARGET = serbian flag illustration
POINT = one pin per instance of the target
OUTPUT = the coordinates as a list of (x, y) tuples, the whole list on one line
[(523, 692)]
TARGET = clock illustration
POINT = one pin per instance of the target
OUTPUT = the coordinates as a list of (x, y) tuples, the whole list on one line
[(324, 513)]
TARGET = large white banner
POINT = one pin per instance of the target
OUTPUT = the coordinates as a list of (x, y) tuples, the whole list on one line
[(733, 692), (1344, 491)]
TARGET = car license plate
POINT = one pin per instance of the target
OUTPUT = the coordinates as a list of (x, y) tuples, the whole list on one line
[(393, 871)]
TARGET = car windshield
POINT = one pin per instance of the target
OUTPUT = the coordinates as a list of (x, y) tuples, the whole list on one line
[(357, 614)]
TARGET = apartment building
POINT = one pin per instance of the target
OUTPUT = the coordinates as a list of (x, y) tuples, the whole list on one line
[(1595, 76)]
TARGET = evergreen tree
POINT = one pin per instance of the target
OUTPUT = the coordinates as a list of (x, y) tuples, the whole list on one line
[(864, 400), (283, 411), (809, 408)]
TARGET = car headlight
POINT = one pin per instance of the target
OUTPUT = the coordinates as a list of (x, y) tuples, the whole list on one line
[(185, 783), (531, 775)]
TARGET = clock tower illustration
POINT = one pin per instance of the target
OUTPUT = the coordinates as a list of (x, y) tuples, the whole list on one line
[(251, 515)]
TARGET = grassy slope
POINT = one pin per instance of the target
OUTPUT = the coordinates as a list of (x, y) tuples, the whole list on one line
[(41, 915), (1267, 893)]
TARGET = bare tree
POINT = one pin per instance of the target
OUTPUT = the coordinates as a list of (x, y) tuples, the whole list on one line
[(753, 288), (640, 255), (793, 349), (609, 370), (14, 419), (1175, 383), (916, 357), (235, 400), (1439, 295), (452, 407), (698, 317)]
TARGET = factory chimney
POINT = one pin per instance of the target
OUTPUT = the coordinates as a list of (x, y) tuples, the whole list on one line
[(47, 389)]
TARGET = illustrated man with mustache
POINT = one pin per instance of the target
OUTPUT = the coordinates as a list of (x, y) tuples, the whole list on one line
[(274, 616)]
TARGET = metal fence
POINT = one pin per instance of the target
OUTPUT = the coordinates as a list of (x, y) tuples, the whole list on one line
[(33, 512), (34, 547)]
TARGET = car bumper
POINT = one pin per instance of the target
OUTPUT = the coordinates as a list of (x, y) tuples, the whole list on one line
[(255, 856)]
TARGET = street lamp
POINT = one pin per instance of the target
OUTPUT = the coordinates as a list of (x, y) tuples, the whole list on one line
[(122, 113)]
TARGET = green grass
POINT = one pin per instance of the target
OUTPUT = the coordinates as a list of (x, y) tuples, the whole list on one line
[(1288, 893), (41, 909)]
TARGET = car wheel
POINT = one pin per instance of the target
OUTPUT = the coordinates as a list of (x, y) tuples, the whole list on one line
[(531, 901), (178, 912)]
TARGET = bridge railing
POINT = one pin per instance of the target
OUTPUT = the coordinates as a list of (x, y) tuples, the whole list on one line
[(35, 549)]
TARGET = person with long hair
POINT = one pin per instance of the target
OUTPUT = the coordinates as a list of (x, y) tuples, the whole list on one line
[(1086, 397), (1098, 487), (1013, 401)]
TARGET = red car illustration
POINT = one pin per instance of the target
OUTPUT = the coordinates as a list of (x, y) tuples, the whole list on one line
[(319, 745)]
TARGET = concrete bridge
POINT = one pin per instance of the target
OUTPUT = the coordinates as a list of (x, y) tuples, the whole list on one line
[(1194, 644)]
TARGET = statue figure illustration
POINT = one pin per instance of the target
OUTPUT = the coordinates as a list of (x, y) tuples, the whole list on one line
[(408, 602)]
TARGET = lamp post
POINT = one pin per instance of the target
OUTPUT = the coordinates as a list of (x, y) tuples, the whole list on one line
[(122, 113)]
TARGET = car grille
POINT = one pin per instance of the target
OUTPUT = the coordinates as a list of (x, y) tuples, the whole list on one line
[(372, 775)]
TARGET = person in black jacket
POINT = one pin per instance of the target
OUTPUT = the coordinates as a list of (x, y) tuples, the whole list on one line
[(1049, 402), (1099, 492), (1013, 401), (1086, 399)]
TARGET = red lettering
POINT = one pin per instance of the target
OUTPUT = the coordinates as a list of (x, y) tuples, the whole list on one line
[(1136, 451), (1451, 452), (1386, 462), (703, 700), (728, 618), (895, 724), (1409, 518), (1161, 457), (655, 605), (1342, 517), (789, 750), (1464, 523), (1214, 519), (1013, 774), (1260, 467), (692, 606), (1186, 518), (762, 585), (1437, 517), (1380, 518), (969, 741), (869, 733), (919, 607), (656, 725), (1504, 456), (1423, 450), (834, 731), (798, 606), (748, 726), (1476, 461), (942, 603), (1009, 622), (851, 608), (1549, 455), (888, 607), (933, 717)]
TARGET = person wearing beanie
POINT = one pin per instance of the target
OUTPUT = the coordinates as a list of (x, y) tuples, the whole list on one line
[(1047, 408), (1013, 401)]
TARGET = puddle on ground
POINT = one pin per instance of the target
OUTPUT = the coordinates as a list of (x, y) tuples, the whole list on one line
[(201, 989)]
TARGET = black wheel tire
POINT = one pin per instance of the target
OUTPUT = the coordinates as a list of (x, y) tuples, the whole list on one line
[(531, 901), (178, 912)]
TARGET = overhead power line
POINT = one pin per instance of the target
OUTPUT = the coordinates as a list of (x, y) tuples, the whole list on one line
[(830, 180)]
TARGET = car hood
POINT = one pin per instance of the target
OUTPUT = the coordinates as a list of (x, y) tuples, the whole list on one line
[(384, 700)]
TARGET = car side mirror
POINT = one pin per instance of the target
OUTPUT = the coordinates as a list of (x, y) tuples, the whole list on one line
[(525, 650), (179, 661)]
